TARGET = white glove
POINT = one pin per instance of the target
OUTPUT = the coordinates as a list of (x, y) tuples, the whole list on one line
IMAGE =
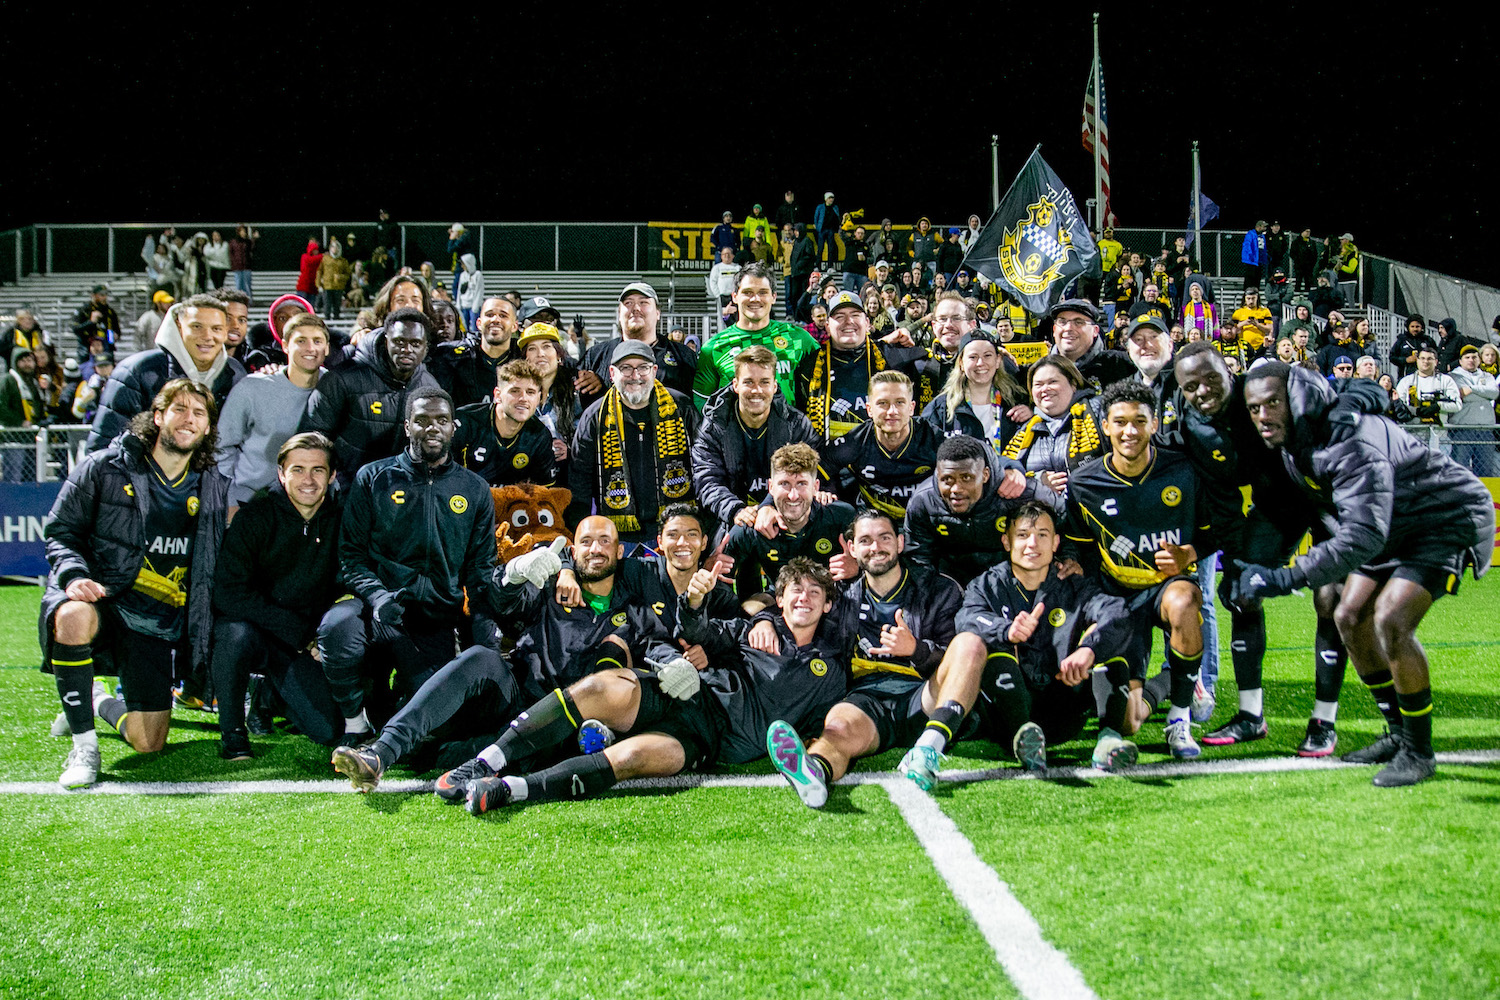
[(679, 678), (537, 566)]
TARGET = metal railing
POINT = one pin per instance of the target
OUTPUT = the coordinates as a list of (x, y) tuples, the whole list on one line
[(41, 454)]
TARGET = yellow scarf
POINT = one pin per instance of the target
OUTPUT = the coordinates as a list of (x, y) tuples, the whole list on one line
[(820, 389), (674, 480), (1083, 441)]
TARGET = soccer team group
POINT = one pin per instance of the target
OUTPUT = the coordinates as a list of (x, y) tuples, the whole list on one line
[(775, 547)]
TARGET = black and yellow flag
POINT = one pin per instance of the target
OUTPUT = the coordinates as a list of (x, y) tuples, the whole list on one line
[(1036, 243)]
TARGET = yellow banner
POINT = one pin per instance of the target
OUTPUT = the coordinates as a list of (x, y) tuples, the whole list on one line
[(1027, 354), (1493, 485)]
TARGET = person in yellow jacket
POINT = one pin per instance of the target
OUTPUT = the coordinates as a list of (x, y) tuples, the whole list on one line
[(333, 279), (1348, 267), (756, 224)]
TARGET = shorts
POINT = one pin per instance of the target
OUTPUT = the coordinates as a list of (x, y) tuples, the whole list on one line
[(143, 663), (698, 724), (1434, 564), (1144, 609), (894, 703), (1006, 702)]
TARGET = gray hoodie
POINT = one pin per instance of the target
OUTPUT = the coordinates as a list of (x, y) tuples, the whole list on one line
[(262, 411)]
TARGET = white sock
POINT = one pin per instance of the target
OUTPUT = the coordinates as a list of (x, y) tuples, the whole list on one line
[(359, 724), (89, 740), (1252, 701), (1175, 714), (932, 738), (517, 788), (104, 696), (1328, 711), (493, 756)]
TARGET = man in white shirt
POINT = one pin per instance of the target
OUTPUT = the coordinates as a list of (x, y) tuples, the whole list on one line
[(1472, 429)]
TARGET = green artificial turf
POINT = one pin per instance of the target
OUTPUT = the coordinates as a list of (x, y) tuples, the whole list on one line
[(708, 893), (1275, 886)]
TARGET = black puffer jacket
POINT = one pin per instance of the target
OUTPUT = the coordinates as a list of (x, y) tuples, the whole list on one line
[(719, 471), (362, 407), (97, 531), (1378, 487), (134, 384)]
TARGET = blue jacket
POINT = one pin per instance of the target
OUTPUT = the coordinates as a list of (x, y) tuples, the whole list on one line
[(826, 217), (1251, 250), (725, 235)]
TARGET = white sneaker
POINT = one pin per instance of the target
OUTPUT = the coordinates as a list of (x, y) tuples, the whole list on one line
[(1203, 704), (60, 725), (81, 769), (1180, 740)]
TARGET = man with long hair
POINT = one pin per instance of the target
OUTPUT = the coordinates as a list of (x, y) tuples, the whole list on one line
[(132, 542)]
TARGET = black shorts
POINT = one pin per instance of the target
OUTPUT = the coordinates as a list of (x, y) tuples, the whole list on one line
[(1433, 563), (894, 703), (1144, 609), (698, 723), (144, 664)]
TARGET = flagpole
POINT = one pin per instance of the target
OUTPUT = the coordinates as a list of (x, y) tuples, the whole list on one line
[(1099, 213), (1197, 202), (994, 172)]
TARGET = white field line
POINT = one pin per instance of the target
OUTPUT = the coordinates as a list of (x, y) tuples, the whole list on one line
[(1038, 970), (1171, 769)]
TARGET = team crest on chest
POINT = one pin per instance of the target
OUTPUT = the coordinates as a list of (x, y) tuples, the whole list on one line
[(520, 461), (192, 506), (457, 504), (1171, 496), (819, 667)]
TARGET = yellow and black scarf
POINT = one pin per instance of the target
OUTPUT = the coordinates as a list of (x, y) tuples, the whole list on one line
[(1083, 440), (669, 463), (820, 388)]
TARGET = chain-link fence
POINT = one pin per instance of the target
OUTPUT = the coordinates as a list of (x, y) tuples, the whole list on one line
[(40, 454)]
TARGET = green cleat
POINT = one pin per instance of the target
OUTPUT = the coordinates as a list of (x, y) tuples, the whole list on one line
[(921, 764), (1113, 751), (1030, 747)]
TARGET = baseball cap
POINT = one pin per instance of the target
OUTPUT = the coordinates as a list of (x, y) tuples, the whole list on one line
[(1347, 236), (631, 349), (99, 288), (1074, 305), (539, 331), (1343, 359), (163, 297), (642, 288), (845, 299), (1151, 321), (952, 230), (1467, 349), (883, 263), (536, 305), (70, 367)]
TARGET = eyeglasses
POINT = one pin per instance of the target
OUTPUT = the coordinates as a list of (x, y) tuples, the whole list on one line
[(1077, 323), (635, 371)]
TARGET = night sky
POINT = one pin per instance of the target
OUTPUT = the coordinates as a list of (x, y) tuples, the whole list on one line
[(1334, 121)]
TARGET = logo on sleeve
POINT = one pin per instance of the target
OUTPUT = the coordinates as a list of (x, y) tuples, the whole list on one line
[(376, 407), (1171, 496), (457, 503), (399, 496)]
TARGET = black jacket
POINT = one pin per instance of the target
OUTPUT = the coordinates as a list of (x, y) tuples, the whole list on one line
[(804, 259), (676, 365), (1071, 605), (1101, 367), (719, 473), (362, 407), (465, 371), (1404, 346), (277, 571), (1377, 488), (96, 531), (929, 604), (428, 532), (965, 546), (134, 384), (557, 645)]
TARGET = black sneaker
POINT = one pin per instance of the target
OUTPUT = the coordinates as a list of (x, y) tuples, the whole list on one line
[(361, 765), (453, 786), (258, 715), (1242, 728), (1382, 751), (1408, 767), (235, 745), (1320, 739), (486, 794)]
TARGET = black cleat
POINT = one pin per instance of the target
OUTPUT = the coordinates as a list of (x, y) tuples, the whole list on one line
[(1242, 728), (234, 744), (1382, 751), (361, 765), (453, 786), (486, 794), (1408, 767), (1320, 739)]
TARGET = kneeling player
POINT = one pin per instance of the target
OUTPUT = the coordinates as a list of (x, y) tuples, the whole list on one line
[(1028, 643), (723, 716), (1135, 515), (902, 619)]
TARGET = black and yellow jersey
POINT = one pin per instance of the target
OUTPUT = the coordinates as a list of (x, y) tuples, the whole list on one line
[(1116, 523), (758, 559), (525, 458), (862, 472), (928, 602)]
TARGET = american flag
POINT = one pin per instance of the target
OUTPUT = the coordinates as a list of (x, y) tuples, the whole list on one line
[(1100, 150)]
